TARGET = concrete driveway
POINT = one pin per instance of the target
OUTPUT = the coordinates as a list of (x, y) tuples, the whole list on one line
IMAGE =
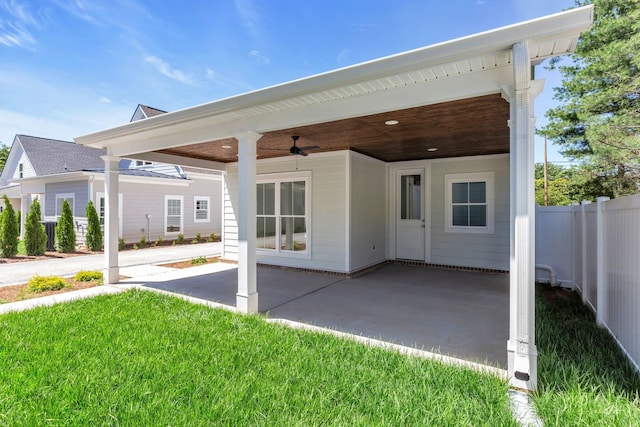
[(457, 313)]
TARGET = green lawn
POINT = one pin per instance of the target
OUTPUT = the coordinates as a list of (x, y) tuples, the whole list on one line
[(140, 358), (583, 378)]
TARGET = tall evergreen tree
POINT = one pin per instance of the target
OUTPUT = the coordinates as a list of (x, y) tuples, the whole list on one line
[(8, 230), (94, 231), (597, 123), (35, 238), (65, 232)]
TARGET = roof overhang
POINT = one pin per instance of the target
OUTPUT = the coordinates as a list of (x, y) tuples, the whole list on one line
[(424, 84)]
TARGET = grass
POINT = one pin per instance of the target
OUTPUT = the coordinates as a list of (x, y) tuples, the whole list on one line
[(583, 378), (140, 358)]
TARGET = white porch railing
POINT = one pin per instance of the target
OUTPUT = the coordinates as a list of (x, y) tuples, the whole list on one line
[(596, 247)]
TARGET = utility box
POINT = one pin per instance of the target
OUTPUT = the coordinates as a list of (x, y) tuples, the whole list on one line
[(50, 231)]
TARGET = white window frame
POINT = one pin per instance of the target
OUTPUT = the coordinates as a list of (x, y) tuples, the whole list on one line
[(488, 179), (166, 211), (141, 163), (197, 199), (72, 197), (96, 204), (277, 179)]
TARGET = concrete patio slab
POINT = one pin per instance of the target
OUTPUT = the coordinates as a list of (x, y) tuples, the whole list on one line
[(457, 313)]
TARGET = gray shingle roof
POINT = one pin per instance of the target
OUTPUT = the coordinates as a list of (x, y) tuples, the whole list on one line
[(50, 156), (150, 111)]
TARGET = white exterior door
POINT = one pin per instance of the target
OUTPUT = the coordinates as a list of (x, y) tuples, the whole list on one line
[(410, 217)]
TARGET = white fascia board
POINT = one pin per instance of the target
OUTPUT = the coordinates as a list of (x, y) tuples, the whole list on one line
[(11, 163), (61, 177), (178, 160), (571, 22)]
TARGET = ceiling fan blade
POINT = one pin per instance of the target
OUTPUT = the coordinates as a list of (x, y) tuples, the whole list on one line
[(302, 153), (310, 147)]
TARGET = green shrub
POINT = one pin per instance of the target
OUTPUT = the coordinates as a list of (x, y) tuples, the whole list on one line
[(35, 238), (8, 230), (213, 236), (199, 261), (88, 276), (198, 237), (135, 247), (45, 283), (180, 238), (194, 241), (159, 241), (121, 244), (19, 221), (65, 232), (143, 242), (94, 231)]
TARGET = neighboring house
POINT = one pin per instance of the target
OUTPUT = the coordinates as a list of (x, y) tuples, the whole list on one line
[(424, 156), (157, 200)]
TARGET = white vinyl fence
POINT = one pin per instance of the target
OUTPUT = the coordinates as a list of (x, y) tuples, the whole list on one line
[(596, 248)]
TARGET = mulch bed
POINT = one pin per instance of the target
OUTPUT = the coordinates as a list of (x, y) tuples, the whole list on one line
[(18, 293), (188, 263)]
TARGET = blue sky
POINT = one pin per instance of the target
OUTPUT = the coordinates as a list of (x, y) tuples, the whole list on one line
[(72, 67)]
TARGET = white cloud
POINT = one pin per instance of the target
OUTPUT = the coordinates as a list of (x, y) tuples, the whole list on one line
[(104, 100), (249, 15), (259, 57), (167, 70), (225, 81), (343, 57), (14, 30)]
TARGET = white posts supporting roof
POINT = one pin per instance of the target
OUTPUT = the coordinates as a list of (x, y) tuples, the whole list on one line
[(111, 270), (247, 296), (521, 348)]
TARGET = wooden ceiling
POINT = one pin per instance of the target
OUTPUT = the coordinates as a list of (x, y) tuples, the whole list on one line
[(468, 127)]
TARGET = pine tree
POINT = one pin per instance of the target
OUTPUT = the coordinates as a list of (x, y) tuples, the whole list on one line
[(598, 120), (8, 230), (65, 232), (35, 238), (94, 231)]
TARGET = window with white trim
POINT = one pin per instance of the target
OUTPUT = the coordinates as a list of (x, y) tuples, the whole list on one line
[(60, 198), (101, 206), (469, 203), (21, 170), (173, 214), (201, 207), (283, 215), (142, 163)]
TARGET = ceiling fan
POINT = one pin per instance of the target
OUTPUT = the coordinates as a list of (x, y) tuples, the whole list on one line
[(295, 150)]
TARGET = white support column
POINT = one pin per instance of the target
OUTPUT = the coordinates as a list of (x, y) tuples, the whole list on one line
[(521, 348), (247, 296), (601, 283), (24, 210), (111, 270)]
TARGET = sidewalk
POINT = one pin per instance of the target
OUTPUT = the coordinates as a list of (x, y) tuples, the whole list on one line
[(21, 272)]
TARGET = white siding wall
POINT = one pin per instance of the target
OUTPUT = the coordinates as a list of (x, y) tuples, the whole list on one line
[(328, 203), (27, 168), (466, 249), (368, 220)]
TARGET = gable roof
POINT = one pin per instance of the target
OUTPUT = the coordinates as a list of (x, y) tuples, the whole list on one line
[(50, 156), (144, 112)]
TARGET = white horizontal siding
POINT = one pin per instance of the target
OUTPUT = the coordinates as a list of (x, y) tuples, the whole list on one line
[(466, 249), (328, 215), (368, 219)]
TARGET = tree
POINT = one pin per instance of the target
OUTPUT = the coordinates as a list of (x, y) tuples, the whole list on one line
[(94, 231), (4, 154), (597, 123), (8, 230), (65, 233), (560, 185), (35, 238)]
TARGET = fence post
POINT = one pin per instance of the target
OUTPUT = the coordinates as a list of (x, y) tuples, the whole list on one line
[(585, 274), (574, 246), (601, 310)]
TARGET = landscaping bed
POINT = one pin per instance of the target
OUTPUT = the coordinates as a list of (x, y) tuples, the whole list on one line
[(20, 292)]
